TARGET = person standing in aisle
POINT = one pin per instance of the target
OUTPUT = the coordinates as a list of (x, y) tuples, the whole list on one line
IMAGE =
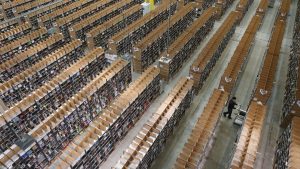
[(231, 105)]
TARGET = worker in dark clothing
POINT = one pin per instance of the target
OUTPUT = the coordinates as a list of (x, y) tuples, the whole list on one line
[(231, 106)]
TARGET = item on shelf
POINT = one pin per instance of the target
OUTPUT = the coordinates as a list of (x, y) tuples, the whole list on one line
[(196, 146), (30, 56), (45, 100), (18, 87), (180, 51), (99, 35), (150, 141), (248, 142), (122, 42), (210, 54), (146, 51), (267, 75), (287, 151), (237, 62), (94, 145)]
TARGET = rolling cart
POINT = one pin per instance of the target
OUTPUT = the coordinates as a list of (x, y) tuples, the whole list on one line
[(240, 117)]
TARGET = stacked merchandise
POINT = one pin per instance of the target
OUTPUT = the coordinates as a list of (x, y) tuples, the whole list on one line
[(287, 150), (267, 76), (92, 147), (150, 141), (21, 44), (222, 6), (238, 60), (149, 48), (29, 56), (18, 87), (79, 29), (48, 19), (292, 91), (37, 106), (122, 42), (173, 59), (243, 6), (196, 146), (247, 146), (57, 131), (208, 57), (13, 34), (99, 35)]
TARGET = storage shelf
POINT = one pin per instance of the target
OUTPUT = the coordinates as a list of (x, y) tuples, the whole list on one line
[(247, 145), (99, 35), (197, 144), (19, 45), (150, 141), (40, 104), (80, 29), (57, 131), (287, 150), (149, 48), (172, 60), (33, 77), (99, 139), (206, 60), (292, 91), (29, 56), (120, 44)]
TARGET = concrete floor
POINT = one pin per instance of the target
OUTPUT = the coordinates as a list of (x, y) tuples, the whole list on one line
[(220, 155)]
